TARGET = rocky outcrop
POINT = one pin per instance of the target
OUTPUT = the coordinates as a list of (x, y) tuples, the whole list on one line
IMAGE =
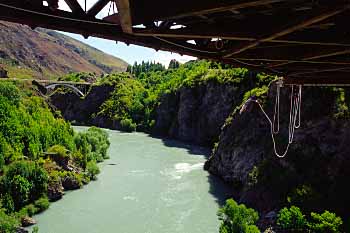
[(27, 221), (71, 183), (55, 191), (21, 230), (197, 114), (3, 72), (81, 110), (317, 160)]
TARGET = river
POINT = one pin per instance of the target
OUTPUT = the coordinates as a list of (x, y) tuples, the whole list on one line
[(148, 185)]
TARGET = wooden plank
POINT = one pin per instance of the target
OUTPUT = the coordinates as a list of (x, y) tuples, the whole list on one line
[(314, 57), (339, 80), (288, 30), (320, 71), (227, 36), (229, 7), (75, 7), (290, 61), (146, 11), (125, 15), (97, 7)]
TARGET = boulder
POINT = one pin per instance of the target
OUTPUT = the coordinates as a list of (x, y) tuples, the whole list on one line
[(70, 183), (3, 73), (27, 221), (55, 191), (21, 230)]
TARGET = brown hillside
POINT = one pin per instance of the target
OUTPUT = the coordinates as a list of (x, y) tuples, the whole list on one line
[(42, 53)]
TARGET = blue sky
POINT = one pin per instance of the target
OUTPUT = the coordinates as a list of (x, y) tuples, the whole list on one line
[(129, 53)]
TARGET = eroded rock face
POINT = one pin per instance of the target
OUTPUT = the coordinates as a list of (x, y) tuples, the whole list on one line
[(196, 114), (3, 73), (27, 221), (21, 230), (55, 191), (75, 109), (70, 183), (317, 158)]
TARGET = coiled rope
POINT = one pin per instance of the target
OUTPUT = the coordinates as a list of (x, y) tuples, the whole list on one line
[(294, 116)]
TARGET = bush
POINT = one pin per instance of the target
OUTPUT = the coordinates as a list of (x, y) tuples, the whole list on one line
[(326, 222), (25, 182), (60, 151), (92, 170), (127, 125), (42, 204), (11, 92), (292, 219), (237, 218), (8, 224), (30, 210)]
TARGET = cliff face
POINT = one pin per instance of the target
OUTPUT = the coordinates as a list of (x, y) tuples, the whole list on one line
[(316, 163), (76, 109), (196, 114)]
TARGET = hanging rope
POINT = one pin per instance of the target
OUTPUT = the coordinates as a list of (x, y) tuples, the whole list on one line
[(294, 116)]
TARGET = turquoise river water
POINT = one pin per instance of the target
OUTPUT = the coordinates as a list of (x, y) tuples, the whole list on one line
[(148, 185)]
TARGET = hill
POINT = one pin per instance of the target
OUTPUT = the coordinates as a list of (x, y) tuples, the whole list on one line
[(44, 53)]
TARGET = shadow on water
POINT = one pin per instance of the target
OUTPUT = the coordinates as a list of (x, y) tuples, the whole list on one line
[(191, 148), (219, 189)]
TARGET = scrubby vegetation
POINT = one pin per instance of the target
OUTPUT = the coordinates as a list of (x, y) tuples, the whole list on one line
[(137, 93), (37, 152), (237, 218)]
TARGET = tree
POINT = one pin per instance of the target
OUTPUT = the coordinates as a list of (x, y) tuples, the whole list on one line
[(237, 218), (174, 64), (326, 222), (292, 219)]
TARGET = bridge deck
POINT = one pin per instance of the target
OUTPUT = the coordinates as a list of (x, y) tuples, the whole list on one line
[(306, 41)]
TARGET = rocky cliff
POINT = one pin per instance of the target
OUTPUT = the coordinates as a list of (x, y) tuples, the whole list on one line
[(82, 110), (196, 114), (314, 172)]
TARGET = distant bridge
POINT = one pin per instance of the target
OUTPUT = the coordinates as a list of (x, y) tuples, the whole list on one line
[(47, 86), (305, 41)]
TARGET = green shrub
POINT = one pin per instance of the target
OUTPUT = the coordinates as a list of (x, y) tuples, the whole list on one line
[(30, 210), (42, 204), (127, 125), (25, 182), (237, 218), (326, 222), (292, 219), (11, 92), (92, 170), (8, 224), (60, 151)]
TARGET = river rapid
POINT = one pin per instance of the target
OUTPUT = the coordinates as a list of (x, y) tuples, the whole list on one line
[(148, 185)]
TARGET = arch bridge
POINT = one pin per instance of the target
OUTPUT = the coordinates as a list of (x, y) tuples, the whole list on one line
[(305, 41)]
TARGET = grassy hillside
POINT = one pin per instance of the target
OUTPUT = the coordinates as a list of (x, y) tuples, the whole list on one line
[(45, 54)]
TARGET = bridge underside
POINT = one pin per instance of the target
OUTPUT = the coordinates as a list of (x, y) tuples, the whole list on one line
[(302, 40)]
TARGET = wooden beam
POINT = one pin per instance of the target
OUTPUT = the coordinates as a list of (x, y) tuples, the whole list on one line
[(228, 7), (314, 57), (146, 11), (125, 15), (75, 7), (97, 7), (288, 30), (343, 80), (289, 61), (179, 33), (320, 71)]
